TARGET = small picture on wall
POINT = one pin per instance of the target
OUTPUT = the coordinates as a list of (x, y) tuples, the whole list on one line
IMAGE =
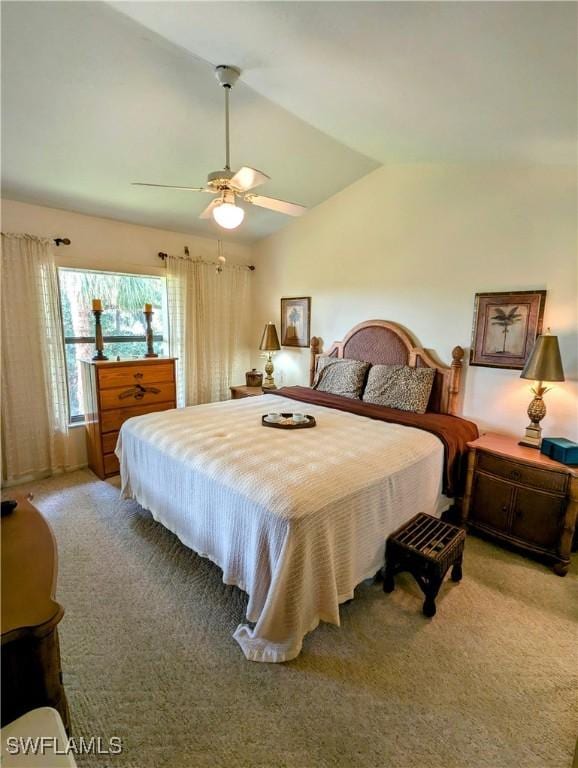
[(505, 328), (295, 322)]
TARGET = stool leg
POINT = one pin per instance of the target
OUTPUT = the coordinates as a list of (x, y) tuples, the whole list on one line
[(429, 604), (456, 574), (388, 578)]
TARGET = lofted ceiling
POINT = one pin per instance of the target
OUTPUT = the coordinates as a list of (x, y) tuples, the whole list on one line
[(401, 81), (91, 101), (96, 95)]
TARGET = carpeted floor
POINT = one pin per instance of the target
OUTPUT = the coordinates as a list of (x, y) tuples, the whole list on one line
[(148, 656)]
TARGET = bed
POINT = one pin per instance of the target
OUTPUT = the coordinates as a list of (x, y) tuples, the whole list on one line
[(297, 519)]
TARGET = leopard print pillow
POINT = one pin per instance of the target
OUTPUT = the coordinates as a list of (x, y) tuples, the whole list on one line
[(399, 386), (340, 377)]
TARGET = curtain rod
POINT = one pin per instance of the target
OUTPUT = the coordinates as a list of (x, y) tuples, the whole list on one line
[(164, 256), (56, 240)]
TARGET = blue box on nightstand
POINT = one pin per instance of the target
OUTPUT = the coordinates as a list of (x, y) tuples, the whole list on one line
[(560, 449)]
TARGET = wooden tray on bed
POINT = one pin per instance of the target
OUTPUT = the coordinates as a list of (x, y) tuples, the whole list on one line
[(280, 425)]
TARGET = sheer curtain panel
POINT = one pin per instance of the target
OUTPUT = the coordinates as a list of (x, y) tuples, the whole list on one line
[(208, 318), (34, 398)]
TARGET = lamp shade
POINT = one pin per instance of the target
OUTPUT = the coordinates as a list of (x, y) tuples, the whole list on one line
[(270, 340), (544, 363)]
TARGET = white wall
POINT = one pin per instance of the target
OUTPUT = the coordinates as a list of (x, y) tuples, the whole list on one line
[(106, 244), (414, 244)]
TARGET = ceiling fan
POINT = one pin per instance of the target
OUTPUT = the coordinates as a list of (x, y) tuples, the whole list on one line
[(228, 185)]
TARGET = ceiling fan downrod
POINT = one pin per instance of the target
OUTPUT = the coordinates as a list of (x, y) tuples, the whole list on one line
[(227, 149), (227, 77)]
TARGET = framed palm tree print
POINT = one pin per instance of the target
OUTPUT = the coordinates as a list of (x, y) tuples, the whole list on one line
[(505, 327), (295, 322)]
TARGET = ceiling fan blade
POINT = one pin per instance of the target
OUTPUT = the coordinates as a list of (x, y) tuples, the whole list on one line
[(281, 206), (247, 178), (170, 186), (208, 212)]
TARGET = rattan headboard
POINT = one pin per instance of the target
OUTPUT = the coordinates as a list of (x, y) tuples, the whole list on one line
[(382, 342)]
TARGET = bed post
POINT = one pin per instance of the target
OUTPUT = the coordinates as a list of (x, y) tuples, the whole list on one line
[(455, 379), (315, 350)]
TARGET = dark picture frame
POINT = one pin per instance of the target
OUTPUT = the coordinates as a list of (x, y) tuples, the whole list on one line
[(296, 321), (506, 325)]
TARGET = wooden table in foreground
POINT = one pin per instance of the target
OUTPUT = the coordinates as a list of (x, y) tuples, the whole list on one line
[(31, 673), (519, 496)]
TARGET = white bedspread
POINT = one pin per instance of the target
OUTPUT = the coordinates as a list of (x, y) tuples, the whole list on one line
[(295, 518)]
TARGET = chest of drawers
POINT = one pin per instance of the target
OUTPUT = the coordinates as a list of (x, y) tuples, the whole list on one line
[(517, 495), (114, 391)]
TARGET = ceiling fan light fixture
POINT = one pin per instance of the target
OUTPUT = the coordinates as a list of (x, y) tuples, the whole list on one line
[(228, 215)]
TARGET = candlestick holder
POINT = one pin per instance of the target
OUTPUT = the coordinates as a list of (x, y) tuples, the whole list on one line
[(149, 335), (99, 344)]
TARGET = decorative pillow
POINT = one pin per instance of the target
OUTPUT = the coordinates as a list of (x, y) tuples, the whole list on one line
[(399, 386), (340, 377)]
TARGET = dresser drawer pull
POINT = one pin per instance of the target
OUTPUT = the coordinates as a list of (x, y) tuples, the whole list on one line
[(505, 508), (138, 375), (515, 475), (138, 392)]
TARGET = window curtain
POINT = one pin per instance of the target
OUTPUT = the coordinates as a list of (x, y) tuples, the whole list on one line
[(208, 325), (33, 380)]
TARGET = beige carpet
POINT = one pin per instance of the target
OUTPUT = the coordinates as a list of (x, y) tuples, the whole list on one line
[(148, 656)]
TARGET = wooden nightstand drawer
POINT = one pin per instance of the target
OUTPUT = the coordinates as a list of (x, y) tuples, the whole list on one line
[(542, 479), (239, 392)]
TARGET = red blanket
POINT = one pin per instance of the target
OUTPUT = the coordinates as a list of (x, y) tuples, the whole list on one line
[(451, 430)]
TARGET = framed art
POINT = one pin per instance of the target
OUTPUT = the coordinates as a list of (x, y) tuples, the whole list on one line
[(295, 322), (505, 327)]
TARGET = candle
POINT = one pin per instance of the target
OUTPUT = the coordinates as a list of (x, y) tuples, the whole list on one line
[(97, 305), (148, 308)]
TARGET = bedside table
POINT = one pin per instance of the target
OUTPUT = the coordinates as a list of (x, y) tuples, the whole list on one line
[(518, 495), (242, 391)]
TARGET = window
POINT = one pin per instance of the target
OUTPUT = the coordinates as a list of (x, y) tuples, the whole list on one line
[(123, 324)]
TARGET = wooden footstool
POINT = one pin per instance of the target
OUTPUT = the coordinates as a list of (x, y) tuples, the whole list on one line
[(427, 548)]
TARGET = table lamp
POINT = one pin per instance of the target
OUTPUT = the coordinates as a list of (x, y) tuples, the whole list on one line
[(269, 344), (543, 365)]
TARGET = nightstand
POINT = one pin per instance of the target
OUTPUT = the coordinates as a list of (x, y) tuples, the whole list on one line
[(242, 391), (517, 495)]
